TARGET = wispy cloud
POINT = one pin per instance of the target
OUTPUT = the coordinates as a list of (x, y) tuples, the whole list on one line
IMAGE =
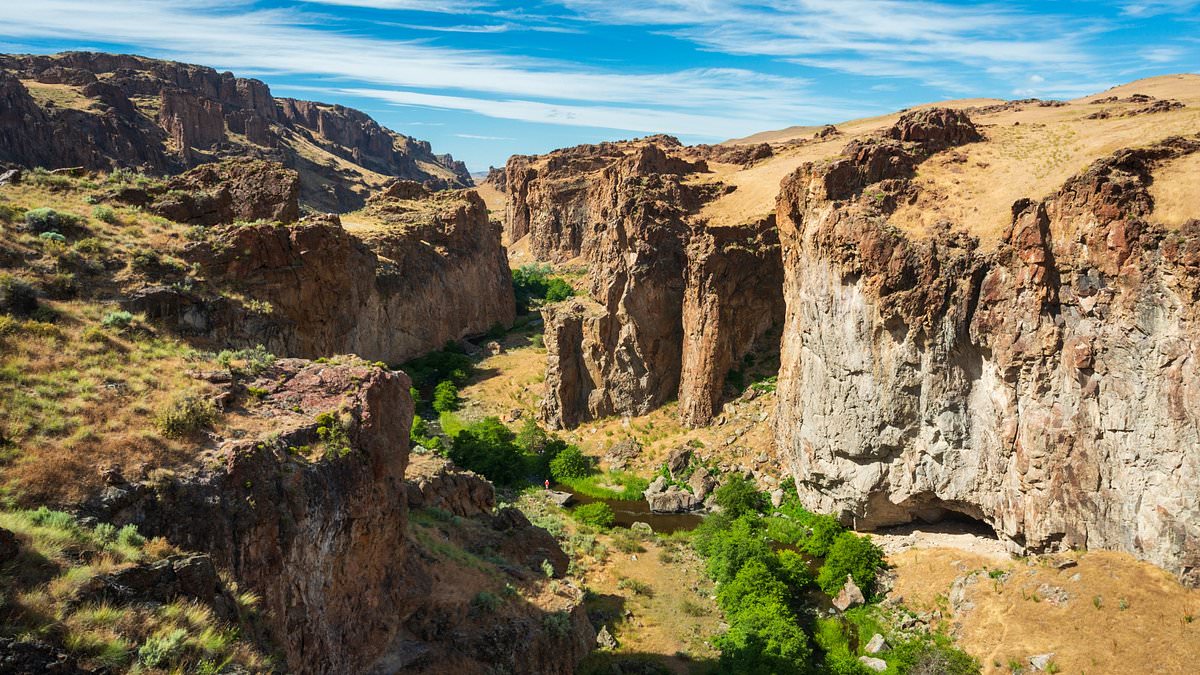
[(485, 138), (440, 6), (1147, 8), (1161, 54)]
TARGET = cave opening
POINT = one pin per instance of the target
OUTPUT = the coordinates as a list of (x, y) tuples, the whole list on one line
[(928, 514)]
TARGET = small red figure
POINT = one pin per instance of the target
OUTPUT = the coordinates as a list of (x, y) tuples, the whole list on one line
[(547, 483)]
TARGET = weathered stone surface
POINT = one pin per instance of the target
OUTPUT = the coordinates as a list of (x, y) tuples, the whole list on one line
[(1041, 661), (436, 483), (672, 500), (849, 596), (605, 640), (35, 658), (619, 455), (1048, 388), (223, 192), (877, 665), (876, 644), (396, 293), (623, 348), (201, 115), (702, 482), (678, 460)]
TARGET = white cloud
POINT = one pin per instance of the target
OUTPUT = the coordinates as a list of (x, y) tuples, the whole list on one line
[(485, 138), (1161, 54), (442, 6), (1155, 7)]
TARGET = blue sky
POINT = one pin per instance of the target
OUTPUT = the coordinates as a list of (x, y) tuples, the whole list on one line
[(486, 79)]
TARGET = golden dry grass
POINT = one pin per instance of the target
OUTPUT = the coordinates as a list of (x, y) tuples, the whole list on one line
[(1141, 625), (1176, 191), (60, 95)]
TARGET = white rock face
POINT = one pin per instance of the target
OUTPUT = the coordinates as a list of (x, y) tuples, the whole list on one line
[(1049, 388)]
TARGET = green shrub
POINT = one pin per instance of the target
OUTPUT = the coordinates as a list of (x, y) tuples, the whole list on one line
[(825, 530), (106, 533), (251, 362), (105, 214), (449, 364), (185, 415), (161, 650), (48, 220), (333, 433), (739, 495), (52, 236), (727, 545), (932, 654), (571, 463), (853, 555), (532, 285), (486, 601), (596, 514), (487, 447), (130, 537), (793, 569), (17, 297), (118, 320), (765, 639), (557, 624), (9, 213), (445, 397)]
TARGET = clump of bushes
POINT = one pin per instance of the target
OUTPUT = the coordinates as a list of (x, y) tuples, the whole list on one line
[(249, 362), (533, 285), (739, 496), (333, 433), (184, 415), (850, 555), (17, 297), (596, 514), (571, 463), (46, 219), (445, 397), (449, 364), (118, 320), (105, 213), (487, 447)]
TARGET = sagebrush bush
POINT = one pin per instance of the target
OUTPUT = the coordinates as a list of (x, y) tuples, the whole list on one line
[(185, 415), (333, 433), (105, 213), (46, 219), (117, 320)]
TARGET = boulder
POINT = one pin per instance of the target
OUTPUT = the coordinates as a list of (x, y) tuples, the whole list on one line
[(641, 528), (673, 500), (1041, 661), (657, 486), (561, 498), (679, 460), (776, 498), (877, 665), (20, 657), (849, 596), (619, 455), (605, 639), (10, 177), (494, 348), (876, 645), (702, 482)]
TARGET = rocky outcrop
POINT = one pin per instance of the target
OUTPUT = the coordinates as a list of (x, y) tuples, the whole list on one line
[(221, 193), (652, 271), (733, 297), (164, 117), (432, 271), (317, 523), (1047, 388)]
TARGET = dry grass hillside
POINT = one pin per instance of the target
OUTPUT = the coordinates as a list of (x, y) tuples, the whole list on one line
[(1029, 150)]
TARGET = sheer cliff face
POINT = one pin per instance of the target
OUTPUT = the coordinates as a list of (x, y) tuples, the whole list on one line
[(655, 277), (164, 117), (321, 531), (433, 270), (1048, 387)]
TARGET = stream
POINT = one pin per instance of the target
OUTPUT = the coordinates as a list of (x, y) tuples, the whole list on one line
[(628, 512)]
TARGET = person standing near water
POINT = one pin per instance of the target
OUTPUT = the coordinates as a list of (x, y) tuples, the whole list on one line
[(547, 483)]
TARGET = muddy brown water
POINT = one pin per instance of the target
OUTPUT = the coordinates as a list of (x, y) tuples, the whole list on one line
[(628, 512)]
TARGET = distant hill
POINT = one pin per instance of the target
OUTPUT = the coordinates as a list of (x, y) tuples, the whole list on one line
[(103, 111)]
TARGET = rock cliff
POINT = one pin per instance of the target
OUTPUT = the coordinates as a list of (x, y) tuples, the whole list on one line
[(315, 518), (102, 111), (1047, 387), (427, 270), (652, 271)]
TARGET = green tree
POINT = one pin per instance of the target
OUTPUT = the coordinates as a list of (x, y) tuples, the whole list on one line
[(739, 496), (487, 447), (445, 397), (571, 463), (596, 514), (853, 555)]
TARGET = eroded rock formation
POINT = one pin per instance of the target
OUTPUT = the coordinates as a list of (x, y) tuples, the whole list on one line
[(165, 117), (432, 270), (318, 525), (1048, 387), (652, 271)]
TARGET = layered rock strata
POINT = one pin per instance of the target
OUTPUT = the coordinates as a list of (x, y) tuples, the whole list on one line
[(318, 524), (652, 271), (1048, 387), (431, 270), (103, 111)]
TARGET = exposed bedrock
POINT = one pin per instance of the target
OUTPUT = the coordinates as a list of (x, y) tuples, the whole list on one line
[(1048, 387), (671, 303), (323, 535), (433, 270)]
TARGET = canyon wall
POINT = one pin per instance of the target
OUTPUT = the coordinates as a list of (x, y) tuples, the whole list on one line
[(103, 111), (1048, 387), (321, 530), (428, 270), (623, 349)]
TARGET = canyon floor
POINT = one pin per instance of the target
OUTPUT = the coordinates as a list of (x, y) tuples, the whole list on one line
[(1097, 612)]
